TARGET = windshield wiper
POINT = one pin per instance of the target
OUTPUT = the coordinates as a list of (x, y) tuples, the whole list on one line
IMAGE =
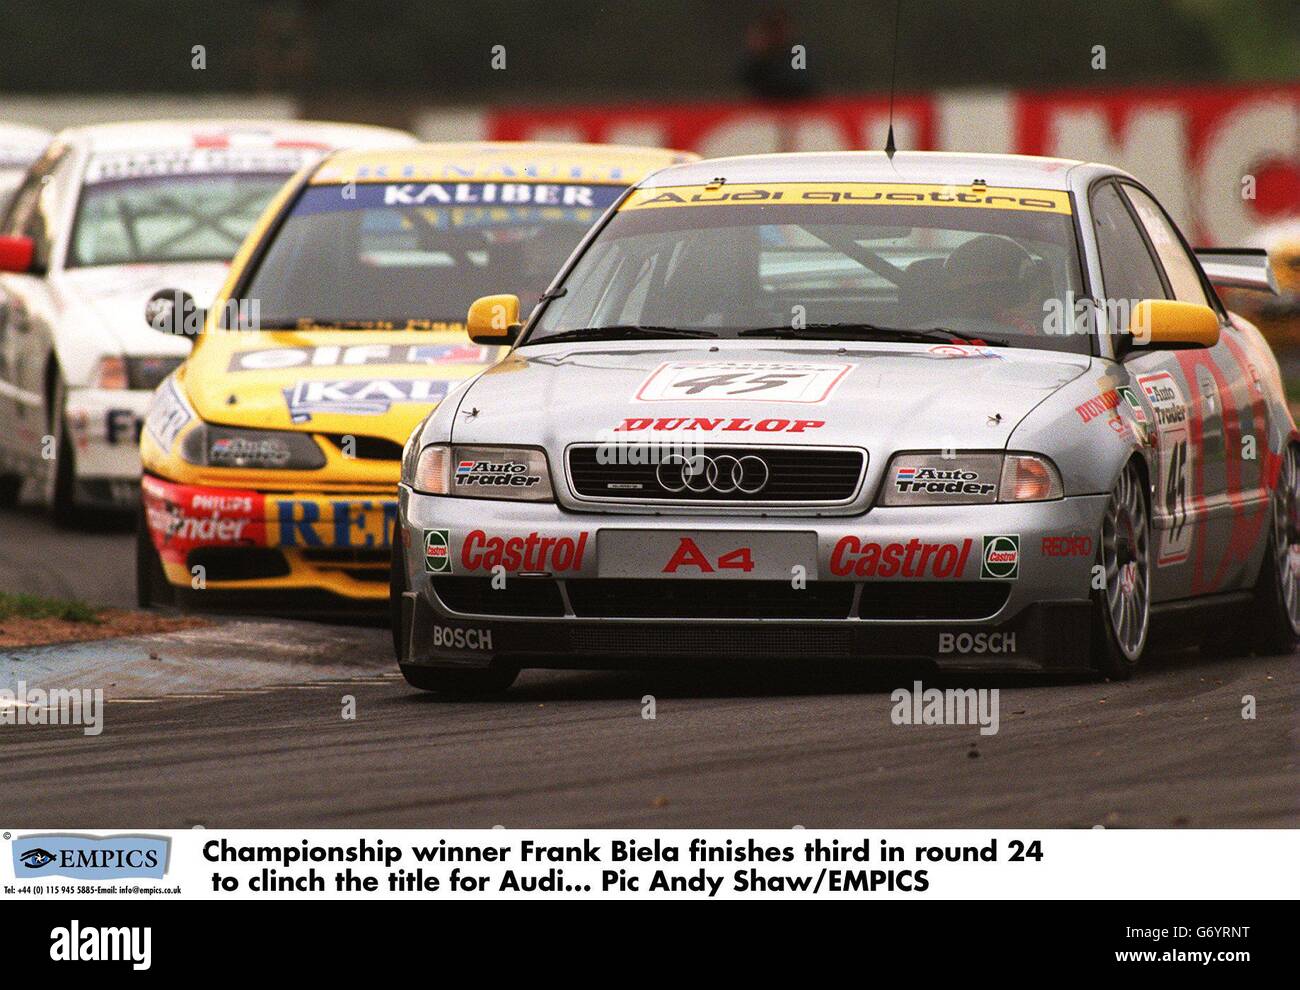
[(821, 331), (628, 332)]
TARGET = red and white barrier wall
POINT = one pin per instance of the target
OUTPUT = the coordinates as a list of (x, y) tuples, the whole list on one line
[(1194, 146)]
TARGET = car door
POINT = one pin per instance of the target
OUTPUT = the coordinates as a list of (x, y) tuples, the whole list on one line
[(27, 307), (1234, 447), (14, 293), (1181, 416)]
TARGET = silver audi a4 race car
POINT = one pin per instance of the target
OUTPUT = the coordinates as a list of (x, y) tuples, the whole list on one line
[(977, 410)]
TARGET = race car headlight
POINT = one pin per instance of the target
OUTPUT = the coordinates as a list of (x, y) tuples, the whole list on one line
[(517, 473), (431, 470), (1029, 478), (209, 445), (969, 479)]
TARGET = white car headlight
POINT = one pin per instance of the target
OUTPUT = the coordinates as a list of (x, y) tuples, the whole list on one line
[(516, 473), (934, 478)]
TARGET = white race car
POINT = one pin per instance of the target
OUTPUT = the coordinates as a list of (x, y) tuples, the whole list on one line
[(19, 147), (107, 216)]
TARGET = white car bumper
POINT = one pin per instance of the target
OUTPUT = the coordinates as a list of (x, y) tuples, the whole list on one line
[(104, 426)]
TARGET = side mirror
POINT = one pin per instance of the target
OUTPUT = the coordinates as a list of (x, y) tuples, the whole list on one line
[(174, 311), (16, 254), (1167, 323), (493, 320)]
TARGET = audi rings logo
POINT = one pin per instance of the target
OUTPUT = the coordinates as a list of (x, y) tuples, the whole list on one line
[(721, 474)]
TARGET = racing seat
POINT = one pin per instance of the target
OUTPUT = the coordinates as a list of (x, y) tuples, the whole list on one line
[(716, 282)]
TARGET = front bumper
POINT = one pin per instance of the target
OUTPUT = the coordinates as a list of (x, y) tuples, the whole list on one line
[(267, 549), (612, 589)]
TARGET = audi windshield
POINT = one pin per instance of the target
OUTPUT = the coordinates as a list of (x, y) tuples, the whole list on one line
[(410, 253), (961, 272)]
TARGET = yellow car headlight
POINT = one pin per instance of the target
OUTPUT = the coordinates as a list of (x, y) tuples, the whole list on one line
[(210, 445)]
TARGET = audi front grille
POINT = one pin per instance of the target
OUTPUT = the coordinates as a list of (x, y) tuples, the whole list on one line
[(716, 475)]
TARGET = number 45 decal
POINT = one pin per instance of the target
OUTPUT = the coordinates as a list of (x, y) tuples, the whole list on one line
[(689, 554), (1176, 539)]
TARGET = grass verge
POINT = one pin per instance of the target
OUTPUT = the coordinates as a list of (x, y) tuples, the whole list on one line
[(22, 606)]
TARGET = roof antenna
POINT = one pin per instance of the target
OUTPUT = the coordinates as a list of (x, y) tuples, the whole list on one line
[(890, 147)]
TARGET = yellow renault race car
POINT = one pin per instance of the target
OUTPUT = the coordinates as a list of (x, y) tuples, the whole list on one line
[(271, 457)]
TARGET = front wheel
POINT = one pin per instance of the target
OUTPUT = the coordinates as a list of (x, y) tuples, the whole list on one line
[(1275, 613), (61, 482), (151, 584), (1122, 606)]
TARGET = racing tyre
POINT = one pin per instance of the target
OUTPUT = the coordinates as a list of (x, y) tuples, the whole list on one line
[(1122, 618), (1275, 613), (60, 485), (474, 683), (151, 585)]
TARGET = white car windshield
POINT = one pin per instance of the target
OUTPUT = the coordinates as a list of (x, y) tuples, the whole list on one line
[(1002, 276), (169, 218)]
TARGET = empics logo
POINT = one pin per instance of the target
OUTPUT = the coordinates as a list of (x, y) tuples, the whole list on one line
[(437, 551), (1001, 560), (36, 857), (91, 857)]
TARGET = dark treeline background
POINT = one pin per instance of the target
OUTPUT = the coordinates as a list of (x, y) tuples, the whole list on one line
[(646, 49)]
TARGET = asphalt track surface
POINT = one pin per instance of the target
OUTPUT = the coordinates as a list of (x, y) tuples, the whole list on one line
[(743, 747)]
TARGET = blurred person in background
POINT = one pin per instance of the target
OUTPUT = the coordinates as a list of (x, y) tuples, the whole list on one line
[(771, 69)]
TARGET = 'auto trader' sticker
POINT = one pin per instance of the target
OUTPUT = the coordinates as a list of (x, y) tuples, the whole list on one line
[(940, 481), (371, 397), (1177, 460), (740, 380)]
